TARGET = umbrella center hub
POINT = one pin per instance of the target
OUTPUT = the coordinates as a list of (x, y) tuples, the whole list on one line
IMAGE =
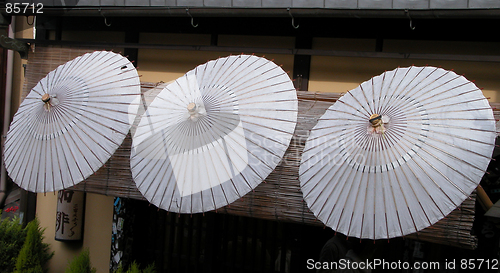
[(195, 111), (49, 101), (192, 108), (46, 98), (376, 120), (377, 123)]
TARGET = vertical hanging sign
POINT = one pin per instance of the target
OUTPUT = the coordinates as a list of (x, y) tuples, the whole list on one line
[(69, 217)]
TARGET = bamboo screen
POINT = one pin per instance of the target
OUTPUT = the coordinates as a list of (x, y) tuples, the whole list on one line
[(279, 197)]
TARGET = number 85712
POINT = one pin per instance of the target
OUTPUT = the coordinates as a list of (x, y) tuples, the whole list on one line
[(23, 8)]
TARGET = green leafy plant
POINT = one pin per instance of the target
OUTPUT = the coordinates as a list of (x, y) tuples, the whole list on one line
[(149, 269), (81, 264), (35, 253), (134, 268), (12, 236)]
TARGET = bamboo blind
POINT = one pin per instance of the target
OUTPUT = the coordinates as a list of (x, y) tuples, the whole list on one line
[(278, 197)]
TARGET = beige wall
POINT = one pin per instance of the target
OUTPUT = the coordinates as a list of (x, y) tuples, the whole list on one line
[(341, 74), (22, 30), (96, 232), (157, 65)]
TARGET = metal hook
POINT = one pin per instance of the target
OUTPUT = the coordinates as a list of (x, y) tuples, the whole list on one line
[(105, 19), (293, 19), (192, 19), (407, 12)]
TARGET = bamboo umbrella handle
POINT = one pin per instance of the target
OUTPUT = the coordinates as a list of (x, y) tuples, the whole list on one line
[(483, 198)]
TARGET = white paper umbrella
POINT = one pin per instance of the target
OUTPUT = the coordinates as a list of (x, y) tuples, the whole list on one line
[(71, 122), (214, 134), (397, 153)]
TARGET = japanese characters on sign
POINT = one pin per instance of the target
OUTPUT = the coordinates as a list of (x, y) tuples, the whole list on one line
[(69, 217)]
